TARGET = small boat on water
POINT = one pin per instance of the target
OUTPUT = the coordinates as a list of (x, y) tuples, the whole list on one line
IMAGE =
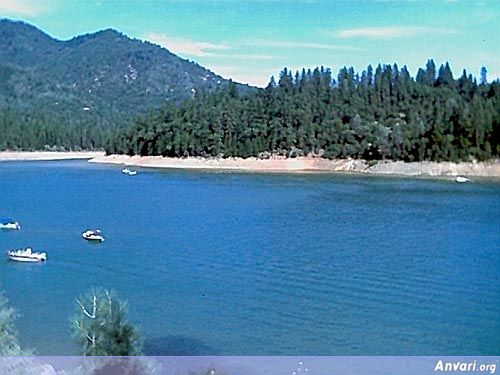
[(461, 179), (129, 172), (93, 235), (26, 255), (6, 223)]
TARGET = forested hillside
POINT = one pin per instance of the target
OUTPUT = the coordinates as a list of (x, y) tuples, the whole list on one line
[(382, 113), (72, 93), (133, 97)]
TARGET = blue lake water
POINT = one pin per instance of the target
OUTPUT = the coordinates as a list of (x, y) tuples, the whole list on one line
[(252, 264)]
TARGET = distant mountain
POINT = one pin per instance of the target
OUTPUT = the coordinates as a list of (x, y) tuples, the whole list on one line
[(104, 75)]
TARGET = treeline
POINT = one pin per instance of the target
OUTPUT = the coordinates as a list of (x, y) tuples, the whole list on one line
[(42, 131), (382, 113)]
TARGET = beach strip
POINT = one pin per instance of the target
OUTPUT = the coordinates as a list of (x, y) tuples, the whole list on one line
[(279, 164), (48, 155)]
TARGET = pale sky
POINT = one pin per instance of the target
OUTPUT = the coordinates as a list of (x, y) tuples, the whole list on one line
[(251, 40)]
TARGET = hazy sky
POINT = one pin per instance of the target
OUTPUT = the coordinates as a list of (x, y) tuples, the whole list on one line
[(251, 40)]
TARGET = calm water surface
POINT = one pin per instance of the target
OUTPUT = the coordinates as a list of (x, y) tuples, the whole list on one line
[(250, 264)]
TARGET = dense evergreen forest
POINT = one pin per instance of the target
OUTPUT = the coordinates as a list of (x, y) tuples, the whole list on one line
[(31, 131), (382, 113)]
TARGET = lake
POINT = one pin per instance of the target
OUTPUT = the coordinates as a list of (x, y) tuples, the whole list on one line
[(258, 264)]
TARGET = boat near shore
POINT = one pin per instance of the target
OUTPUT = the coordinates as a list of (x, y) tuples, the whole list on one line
[(129, 172), (461, 179), (26, 255), (9, 224), (93, 235)]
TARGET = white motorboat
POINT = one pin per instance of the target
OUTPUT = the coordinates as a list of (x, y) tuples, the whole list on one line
[(93, 235), (26, 255), (129, 172), (6, 223), (462, 179)]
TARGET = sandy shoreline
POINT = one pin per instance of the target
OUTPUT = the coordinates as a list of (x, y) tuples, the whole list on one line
[(48, 155), (309, 164), (274, 164)]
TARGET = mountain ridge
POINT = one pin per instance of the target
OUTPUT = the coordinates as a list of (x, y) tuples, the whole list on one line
[(104, 74)]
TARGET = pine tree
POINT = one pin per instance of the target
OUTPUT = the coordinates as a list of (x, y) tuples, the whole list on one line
[(100, 327), (445, 77), (484, 76)]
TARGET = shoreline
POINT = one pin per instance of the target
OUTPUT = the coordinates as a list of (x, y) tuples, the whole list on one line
[(48, 155), (277, 164)]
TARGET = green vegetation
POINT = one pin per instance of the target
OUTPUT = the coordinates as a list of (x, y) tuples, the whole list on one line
[(100, 327), (86, 93), (378, 114), (9, 344), (40, 131), (72, 93)]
